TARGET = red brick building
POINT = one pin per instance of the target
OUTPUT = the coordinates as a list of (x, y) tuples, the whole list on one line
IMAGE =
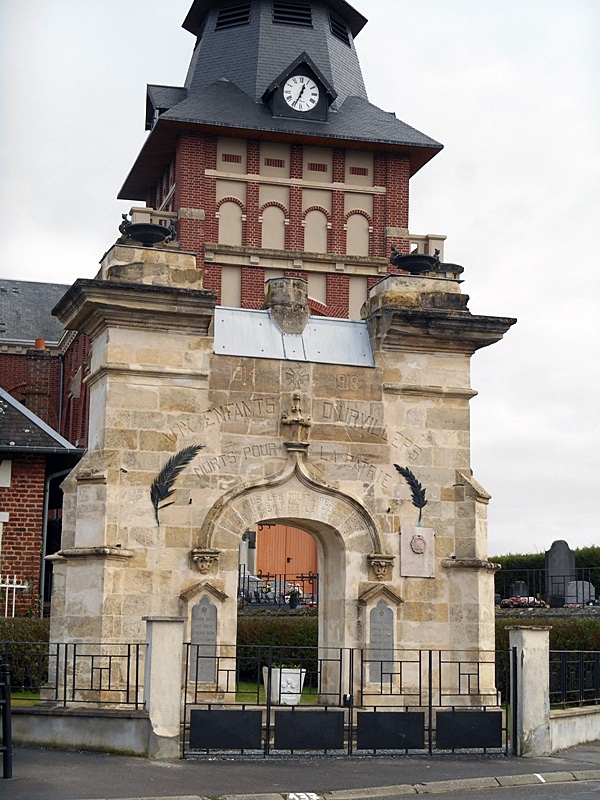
[(41, 397)]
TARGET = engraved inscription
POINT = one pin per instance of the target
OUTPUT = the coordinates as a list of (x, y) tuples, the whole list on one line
[(381, 644), (297, 376), (204, 641), (243, 374)]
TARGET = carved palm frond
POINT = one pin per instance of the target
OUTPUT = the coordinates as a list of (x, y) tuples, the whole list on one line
[(162, 486), (417, 490)]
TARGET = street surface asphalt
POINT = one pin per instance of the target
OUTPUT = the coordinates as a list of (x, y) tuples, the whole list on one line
[(44, 774)]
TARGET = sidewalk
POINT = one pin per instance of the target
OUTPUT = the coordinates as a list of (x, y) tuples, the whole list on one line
[(41, 774)]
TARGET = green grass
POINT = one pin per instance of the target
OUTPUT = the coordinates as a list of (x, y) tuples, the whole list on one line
[(246, 693), (24, 698)]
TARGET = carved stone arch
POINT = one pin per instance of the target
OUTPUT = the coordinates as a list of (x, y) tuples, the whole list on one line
[(294, 495)]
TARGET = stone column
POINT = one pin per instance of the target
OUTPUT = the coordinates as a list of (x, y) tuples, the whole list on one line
[(533, 689), (162, 684)]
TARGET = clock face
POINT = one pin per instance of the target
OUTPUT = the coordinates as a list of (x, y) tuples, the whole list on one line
[(301, 93)]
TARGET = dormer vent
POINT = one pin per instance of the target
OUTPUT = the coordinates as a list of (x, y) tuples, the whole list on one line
[(233, 15), (291, 12), (339, 29)]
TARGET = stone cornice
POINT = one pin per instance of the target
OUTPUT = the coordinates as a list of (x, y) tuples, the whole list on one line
[(429, 391), (292, 259), (428, 330), (470, 563), (141, 371), (91, 306), (113, 553)]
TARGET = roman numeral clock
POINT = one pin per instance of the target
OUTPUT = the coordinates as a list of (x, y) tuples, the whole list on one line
[(301, 91)]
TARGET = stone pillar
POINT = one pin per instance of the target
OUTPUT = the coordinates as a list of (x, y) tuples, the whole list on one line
[(162, 684), (533, 689)]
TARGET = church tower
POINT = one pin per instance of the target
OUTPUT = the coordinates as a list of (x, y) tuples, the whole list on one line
[(271, 161)]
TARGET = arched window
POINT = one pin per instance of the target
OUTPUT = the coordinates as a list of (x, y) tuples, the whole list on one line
[(315, 232), (357, 235), (230, 224), (273, 228)]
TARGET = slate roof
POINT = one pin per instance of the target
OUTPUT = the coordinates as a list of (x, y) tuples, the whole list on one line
[(200, 8), (25, 311), (226, 109), (254, 54), (21, 430), (162, 98)]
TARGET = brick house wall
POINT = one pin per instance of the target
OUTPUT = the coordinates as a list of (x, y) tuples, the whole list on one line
[(23, 501)]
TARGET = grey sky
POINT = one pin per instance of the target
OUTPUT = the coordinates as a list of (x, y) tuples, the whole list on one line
[(510, 87)]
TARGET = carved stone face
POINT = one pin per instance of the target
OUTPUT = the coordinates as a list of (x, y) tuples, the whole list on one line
[(204, 563), (204, 560), (380, 569), (418, 544)]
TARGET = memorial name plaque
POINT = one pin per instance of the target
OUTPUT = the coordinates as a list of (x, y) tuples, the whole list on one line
[(381, 645), (417, 552), (204, 642)]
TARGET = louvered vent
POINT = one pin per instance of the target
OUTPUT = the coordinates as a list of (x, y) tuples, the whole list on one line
[(234, 15), (288, 12), (339, 29)]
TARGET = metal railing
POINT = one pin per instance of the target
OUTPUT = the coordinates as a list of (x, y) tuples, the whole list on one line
[(5, 712), (578, 588), (8, 594), (270, 700), (98, 674), (574, 678), (284, 589)]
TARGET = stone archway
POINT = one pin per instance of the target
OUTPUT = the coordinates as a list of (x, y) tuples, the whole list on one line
[(348, 542)]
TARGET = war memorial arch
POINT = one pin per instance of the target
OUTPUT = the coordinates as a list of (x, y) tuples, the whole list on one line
[(271, 345)]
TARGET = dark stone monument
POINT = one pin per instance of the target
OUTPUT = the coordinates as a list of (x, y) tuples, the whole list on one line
[(560, 571), (381, 643), (204, 642)]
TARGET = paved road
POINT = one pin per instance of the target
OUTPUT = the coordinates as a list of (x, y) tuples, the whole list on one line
[(42, 774)]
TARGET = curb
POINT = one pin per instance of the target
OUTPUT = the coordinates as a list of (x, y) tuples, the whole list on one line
[(433, 787)]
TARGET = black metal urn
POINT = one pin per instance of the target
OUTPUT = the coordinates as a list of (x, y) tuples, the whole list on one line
[(415, 263), (148, 233)]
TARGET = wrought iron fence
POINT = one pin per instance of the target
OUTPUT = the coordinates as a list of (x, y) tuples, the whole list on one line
[(574, 678), (273, 700), (285, 589), (6, 728), (8, 594), (530, 585), (98, 674)]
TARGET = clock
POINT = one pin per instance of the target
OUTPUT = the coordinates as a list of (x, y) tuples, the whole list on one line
[(301, 93)]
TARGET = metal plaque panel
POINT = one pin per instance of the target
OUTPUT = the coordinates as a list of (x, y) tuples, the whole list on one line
[(338, 341), (225, 730), (244, 332), (293, 346), (457, 730), (309, 730), (253, 334), (390, 730)]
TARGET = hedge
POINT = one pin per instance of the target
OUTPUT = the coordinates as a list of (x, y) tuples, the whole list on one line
[(567, 633)]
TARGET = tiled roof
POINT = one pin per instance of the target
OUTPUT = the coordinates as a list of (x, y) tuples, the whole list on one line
[(22, 430), (25, 310)]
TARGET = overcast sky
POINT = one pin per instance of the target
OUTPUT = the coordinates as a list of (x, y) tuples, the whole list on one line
[(510, 87)]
